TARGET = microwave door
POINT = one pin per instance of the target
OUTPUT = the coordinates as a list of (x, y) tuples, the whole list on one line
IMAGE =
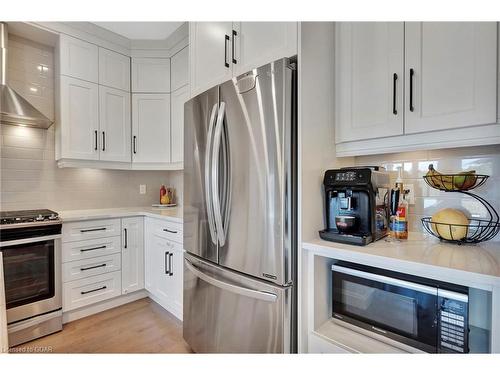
[(398, 309), (200, 114), (254, 129)]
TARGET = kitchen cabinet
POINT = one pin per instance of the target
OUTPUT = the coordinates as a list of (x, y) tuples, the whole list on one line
[(451, 75), (222, 50), (78, 59), (79, 119), (258, 43), (180, 67), (210, 54), (132, 254), (114, 69), (369, 80), (114, 125), (179, 97), (150, 75), (444, 96), (150, 128)]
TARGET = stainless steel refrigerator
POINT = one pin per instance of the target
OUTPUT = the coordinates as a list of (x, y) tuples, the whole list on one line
[(240, 214)]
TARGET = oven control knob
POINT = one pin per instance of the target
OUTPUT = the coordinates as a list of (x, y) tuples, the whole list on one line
[(39, 218)]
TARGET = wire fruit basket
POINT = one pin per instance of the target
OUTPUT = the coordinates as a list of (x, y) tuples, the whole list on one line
[(477, 230)]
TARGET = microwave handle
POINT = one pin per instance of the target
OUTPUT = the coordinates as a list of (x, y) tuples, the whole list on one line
[(386, 280)]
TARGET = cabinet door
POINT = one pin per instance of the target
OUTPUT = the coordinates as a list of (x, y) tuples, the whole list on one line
[(78, 59), (450, 75), (114, 69), (368, 80), (151, 128), (151, 75), (179, 65), (132, 254), (177, 271), (259, 43), (210, 54), (79, 119), (163, 282), (179, 97), (115, 125)]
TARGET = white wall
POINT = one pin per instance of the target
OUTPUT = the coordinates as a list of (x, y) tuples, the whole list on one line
[(29, 176)]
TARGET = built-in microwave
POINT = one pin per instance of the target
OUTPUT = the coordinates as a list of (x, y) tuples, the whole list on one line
[(426, 314)]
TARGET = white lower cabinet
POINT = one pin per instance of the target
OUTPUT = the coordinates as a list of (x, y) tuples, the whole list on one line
[(164, 268), (132, 254)]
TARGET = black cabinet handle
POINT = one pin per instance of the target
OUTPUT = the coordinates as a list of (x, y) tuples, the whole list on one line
[(91, 230), (226, 39), (91, 268), (93, 248), (166, 261), (103, 141), (135, 144), (412, 73), (232, 47), (126, 238), (394, 80), (170, 264), (94, 290), (169, 231), (95, 134)]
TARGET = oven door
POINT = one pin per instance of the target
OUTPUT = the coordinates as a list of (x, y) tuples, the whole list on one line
[(32, 276), (398, 309)]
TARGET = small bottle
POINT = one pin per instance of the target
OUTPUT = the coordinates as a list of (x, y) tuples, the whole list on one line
[(398, 221), (163, 194)]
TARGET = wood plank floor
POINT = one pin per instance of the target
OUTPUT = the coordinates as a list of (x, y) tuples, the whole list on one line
[(142, 326)]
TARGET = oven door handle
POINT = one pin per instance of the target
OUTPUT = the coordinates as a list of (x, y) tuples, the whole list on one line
[(29, 240), (386, 280)]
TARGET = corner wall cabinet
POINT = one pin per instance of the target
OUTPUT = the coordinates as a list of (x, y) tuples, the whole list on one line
[(222, 50), (415, 85)]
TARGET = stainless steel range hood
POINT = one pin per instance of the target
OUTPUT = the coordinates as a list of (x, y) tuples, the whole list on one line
[(14, 109)]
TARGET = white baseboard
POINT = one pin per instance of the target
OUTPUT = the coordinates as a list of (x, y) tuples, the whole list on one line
[(82, 312)]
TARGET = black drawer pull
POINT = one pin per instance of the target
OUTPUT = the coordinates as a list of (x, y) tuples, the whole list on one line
[(94, 290), (171, 273), (91, 268), (412, 73), (93, 248), (103, 141), (91, 230), (170, 231), (394, 79), (126, 238), (135, 144), (95, 133), (226, 40), (234, 34)]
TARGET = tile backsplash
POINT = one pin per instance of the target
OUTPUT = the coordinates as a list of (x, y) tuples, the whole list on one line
[(482, 159), (29, 176)]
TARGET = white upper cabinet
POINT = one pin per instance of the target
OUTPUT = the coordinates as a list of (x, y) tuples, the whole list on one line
[(179, 97), (114, 70), (151, 128), (180, 67), (369, 80), (258, 43), (78, 59), (132, 254), (79, 123), (150, 75), (114, 124), (451, 75), (210, 54)]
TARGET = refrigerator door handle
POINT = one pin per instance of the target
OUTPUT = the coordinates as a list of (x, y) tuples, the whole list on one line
[(215, 175), (208, 184), (257, 294)]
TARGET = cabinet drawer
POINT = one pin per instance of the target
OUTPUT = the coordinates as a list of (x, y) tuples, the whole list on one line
[(83, 230), (90, 290), (166, 229), (90, 267), (79, 250)]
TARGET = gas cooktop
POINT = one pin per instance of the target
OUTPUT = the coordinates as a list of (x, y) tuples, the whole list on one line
[(12, 219)]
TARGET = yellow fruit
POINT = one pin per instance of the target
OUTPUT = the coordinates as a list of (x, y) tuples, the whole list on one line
[(452, 224), (164, 199)]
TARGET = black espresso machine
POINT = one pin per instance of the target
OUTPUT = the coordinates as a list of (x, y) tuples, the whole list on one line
[(356, 205)]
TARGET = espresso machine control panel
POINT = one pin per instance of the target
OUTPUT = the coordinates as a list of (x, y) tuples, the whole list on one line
[(347, 177)]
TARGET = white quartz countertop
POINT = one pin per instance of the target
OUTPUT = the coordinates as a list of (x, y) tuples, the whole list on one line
[(422, 255), (172, 213)]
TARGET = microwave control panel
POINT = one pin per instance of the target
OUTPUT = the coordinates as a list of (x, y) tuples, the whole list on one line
[(453, 322)]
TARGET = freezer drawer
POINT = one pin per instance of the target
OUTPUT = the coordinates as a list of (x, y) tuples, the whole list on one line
[(225, 312)]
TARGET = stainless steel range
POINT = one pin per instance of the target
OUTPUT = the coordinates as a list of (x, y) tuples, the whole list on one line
[(30, 242)]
